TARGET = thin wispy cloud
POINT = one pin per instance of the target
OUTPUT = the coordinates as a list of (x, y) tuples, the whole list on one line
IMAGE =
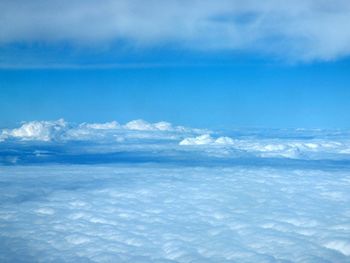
[(296, 30)]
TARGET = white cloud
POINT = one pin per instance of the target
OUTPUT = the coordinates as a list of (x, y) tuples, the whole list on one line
[(141, 125), (112, 131), (339, 245), (163, 126), (101, 126), (206, 139), (159, 213), (298, 30), (141, 135), (199, 140), (272, 148), (224, 140), (36, 130)]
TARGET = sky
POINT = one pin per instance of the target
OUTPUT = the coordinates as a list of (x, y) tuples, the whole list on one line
[(217, 65), (174, 131)]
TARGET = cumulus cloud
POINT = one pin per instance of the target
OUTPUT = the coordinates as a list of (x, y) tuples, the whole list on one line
[(141, 125), (36, 130), (113, 131), (299, 30), (206, 139), (101, 126)]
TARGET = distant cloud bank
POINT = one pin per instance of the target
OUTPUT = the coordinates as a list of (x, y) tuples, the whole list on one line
[(165, 140), (296, 30), (61, 130)]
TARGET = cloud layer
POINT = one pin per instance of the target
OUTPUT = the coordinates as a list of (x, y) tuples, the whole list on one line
[(156, 192), (60, 130), (164, 214), (50, 141), (297, 30)]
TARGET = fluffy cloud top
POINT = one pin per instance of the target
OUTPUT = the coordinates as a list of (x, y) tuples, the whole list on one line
[(36, 130), (300, 29), (101, 126), (206, 139), (141, 125), (62, 131)]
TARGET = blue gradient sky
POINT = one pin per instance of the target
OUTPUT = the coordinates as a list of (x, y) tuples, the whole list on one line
[(224, 64), (243, 95)]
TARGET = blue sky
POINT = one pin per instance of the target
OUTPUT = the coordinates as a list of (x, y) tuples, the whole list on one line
[(222, 65), (229, 96)]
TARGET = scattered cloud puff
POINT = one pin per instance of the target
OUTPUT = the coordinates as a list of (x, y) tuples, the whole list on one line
[(159, 213), (301, 30)]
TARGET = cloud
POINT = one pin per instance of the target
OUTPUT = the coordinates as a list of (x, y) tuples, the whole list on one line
[(297, 148), (341, 246), (101, 126), (200, 140), (206, 139), (62, 131), (158, 213), (141, 125), (36, 130), (298, 30), (164, 140)]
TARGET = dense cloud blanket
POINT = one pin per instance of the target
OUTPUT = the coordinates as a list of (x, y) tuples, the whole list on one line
[(155, 192)]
